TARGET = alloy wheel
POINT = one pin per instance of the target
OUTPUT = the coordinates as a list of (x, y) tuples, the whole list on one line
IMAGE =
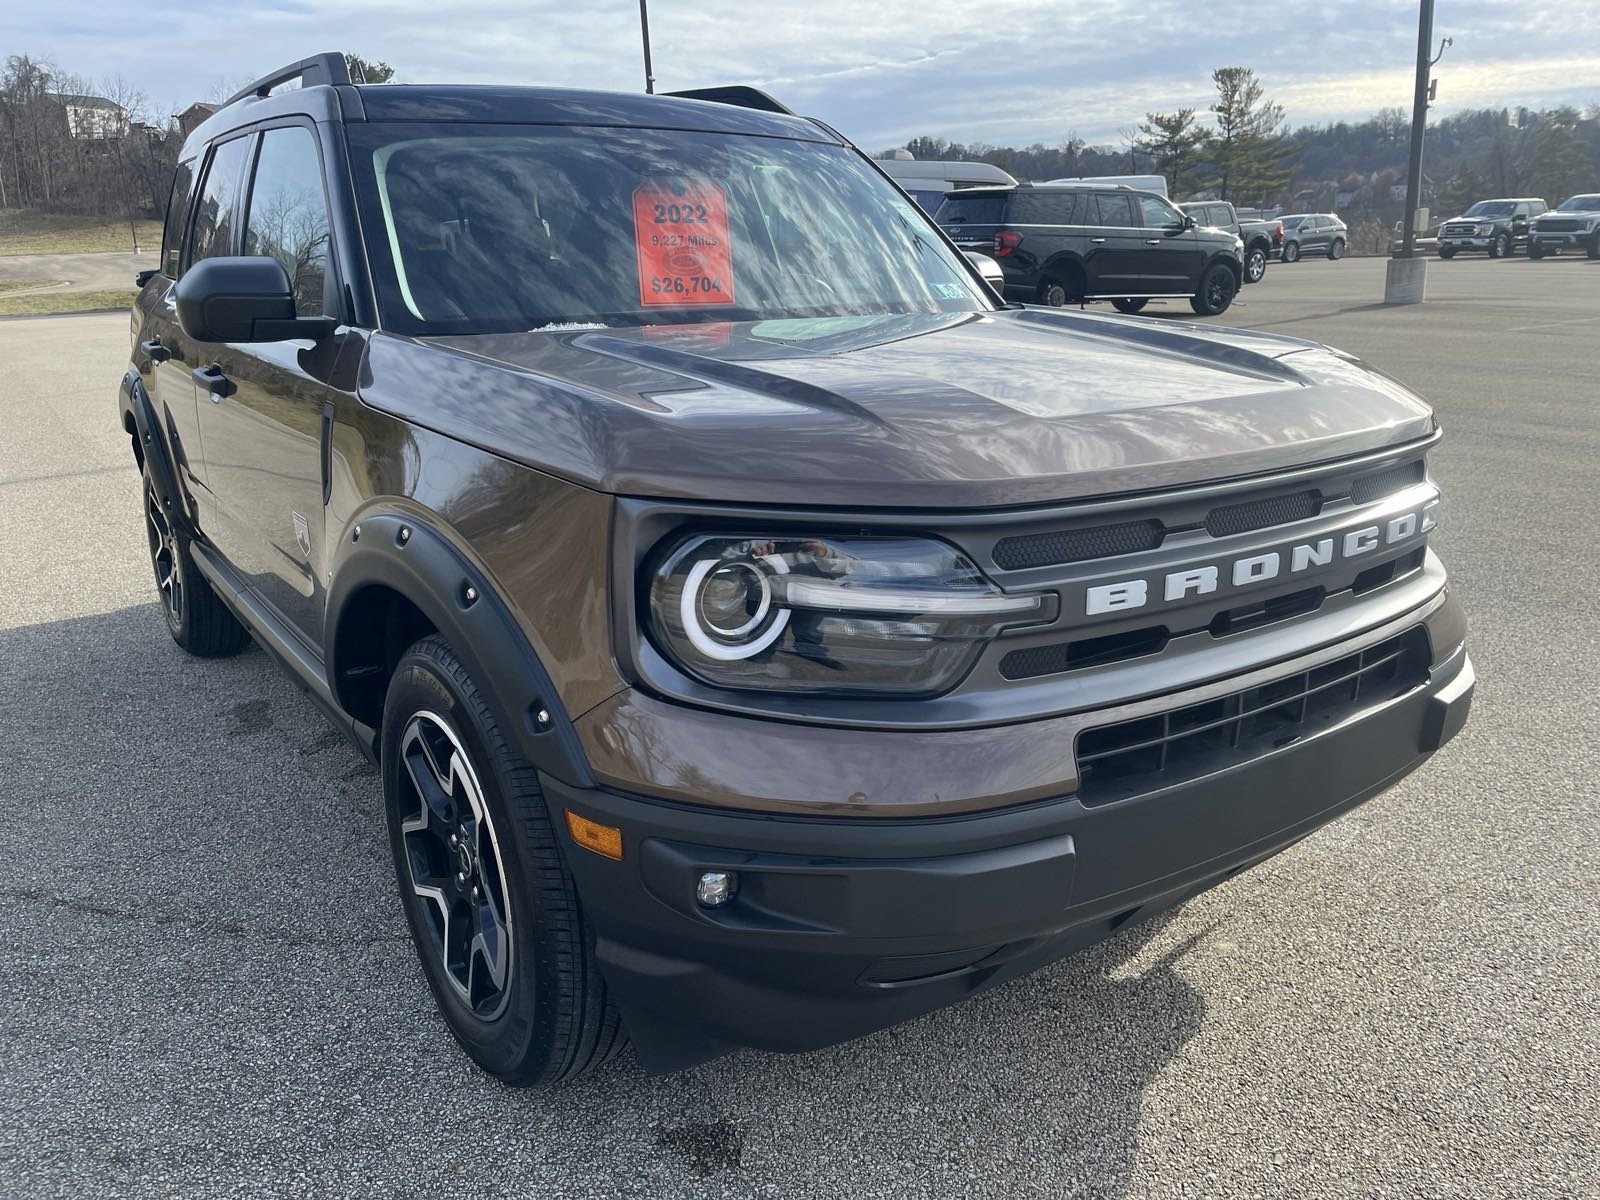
[(1255, 265), (455, 864), (1219, 291), (164, 556)]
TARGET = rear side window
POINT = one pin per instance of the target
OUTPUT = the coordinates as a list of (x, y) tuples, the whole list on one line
[(216, 217), (177, 214), (288, 214), (988, 209), (1112, 208), (1043, 208)]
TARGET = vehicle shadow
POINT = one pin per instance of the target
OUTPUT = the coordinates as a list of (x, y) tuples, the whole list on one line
[(211, 977)]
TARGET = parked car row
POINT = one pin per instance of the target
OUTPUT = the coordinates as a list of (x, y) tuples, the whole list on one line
[(1500, 228)]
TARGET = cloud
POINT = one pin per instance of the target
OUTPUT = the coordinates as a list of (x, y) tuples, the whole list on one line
[(1006, 71)]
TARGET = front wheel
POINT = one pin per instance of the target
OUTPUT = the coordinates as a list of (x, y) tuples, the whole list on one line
[(1217, 288), (1535, 251), (492, 908), (1501, 246), (1593, 249), (1128, 305), (1447, 252), (1255, 265), (1336, 251), (1291, 252)]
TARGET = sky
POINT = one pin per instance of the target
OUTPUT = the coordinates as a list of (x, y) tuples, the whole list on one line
[(881, 71)]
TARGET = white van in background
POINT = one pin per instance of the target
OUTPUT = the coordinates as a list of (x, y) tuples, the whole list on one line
[(927, 181), (1145, 183)]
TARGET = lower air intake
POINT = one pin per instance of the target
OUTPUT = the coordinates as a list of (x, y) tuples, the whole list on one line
[(1123, 760)]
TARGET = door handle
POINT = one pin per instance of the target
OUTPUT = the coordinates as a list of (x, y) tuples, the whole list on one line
[(155, 351), (1096, 241), (214, 381), (1152, 241)]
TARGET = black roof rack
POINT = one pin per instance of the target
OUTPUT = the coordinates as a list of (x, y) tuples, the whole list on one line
[(738, 95), (318, 69)]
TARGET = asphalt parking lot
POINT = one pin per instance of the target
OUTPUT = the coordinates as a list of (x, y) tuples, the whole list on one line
[(208, 988)]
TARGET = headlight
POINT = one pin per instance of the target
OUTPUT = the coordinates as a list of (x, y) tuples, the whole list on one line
[(824, 614), (1485, 230)]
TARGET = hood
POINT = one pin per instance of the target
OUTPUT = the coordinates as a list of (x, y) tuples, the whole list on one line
[(1021, 406)]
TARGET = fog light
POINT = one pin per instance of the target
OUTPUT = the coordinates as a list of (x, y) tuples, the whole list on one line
[(715, 888)]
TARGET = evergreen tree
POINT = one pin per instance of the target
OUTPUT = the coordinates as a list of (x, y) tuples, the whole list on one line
[(1466, 187), (1249, 146), (1173, 142), (1560, 159), (371, 72)]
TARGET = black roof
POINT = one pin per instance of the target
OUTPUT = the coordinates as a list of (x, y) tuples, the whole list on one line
[(500, 104)]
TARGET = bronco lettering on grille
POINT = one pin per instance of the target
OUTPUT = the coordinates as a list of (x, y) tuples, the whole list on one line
[(1295, 559)]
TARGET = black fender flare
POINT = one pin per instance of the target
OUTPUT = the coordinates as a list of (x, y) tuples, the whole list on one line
[(403, 552), (134, 402), (1060, 263), (1227, 260)]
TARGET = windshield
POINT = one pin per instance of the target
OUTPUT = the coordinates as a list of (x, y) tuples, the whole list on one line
[(988, 208), (476, 229), (1589, 203), (1490, 208)]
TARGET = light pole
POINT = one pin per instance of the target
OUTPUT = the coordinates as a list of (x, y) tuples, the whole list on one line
[(644, 32), (1406, 278)]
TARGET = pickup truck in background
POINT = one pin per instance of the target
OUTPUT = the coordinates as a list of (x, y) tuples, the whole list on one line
[(1263, 240)]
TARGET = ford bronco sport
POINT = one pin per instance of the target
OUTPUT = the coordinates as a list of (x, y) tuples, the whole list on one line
[(764, 633)]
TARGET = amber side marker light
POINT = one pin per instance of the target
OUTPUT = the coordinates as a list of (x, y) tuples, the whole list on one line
[(604, 840)]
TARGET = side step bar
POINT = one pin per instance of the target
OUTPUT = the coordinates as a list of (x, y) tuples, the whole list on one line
[(304, 665)]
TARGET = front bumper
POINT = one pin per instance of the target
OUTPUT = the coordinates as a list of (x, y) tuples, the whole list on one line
[(839, 927), (1466, 243), (1556, 241)]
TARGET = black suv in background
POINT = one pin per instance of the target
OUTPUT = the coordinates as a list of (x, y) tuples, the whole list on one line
[(1262, 239), (1063, 244), (1313, 233), (1497, 226)]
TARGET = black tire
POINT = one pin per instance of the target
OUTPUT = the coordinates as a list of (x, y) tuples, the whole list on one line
[(1053, 292), (1593, 248), (1535, 252), (1255, 264), (542, 1013), (1501, 246), (1218, 286), (198, 621), (1291, 252), (1447, 252), (1128, 305)]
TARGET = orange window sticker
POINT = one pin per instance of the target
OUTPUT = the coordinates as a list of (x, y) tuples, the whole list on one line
[(681, 231)]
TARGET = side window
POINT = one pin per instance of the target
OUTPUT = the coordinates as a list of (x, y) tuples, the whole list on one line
[(288, 214), (1157, 213), (177, 213), (1114, 209), (215, 218), (1044, 208)]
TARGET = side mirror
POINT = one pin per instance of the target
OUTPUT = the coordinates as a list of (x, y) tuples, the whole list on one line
[(988, 268), (1189, 222), (242, 300)]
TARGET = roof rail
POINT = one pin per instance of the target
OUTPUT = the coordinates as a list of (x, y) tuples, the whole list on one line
[(327, 68), (739, 95)]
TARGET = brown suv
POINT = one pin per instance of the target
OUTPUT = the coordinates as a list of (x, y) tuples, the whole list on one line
[(765, 633)]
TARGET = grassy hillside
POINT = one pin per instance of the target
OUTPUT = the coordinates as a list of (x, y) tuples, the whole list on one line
[(23, 231), (47, 303)]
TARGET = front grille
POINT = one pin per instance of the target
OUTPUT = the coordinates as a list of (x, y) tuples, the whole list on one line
[(1053, 659), (1123, 760), (1461, 230), (1561, 226), (1261, 514), (1387, 482), (1076, 545)]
